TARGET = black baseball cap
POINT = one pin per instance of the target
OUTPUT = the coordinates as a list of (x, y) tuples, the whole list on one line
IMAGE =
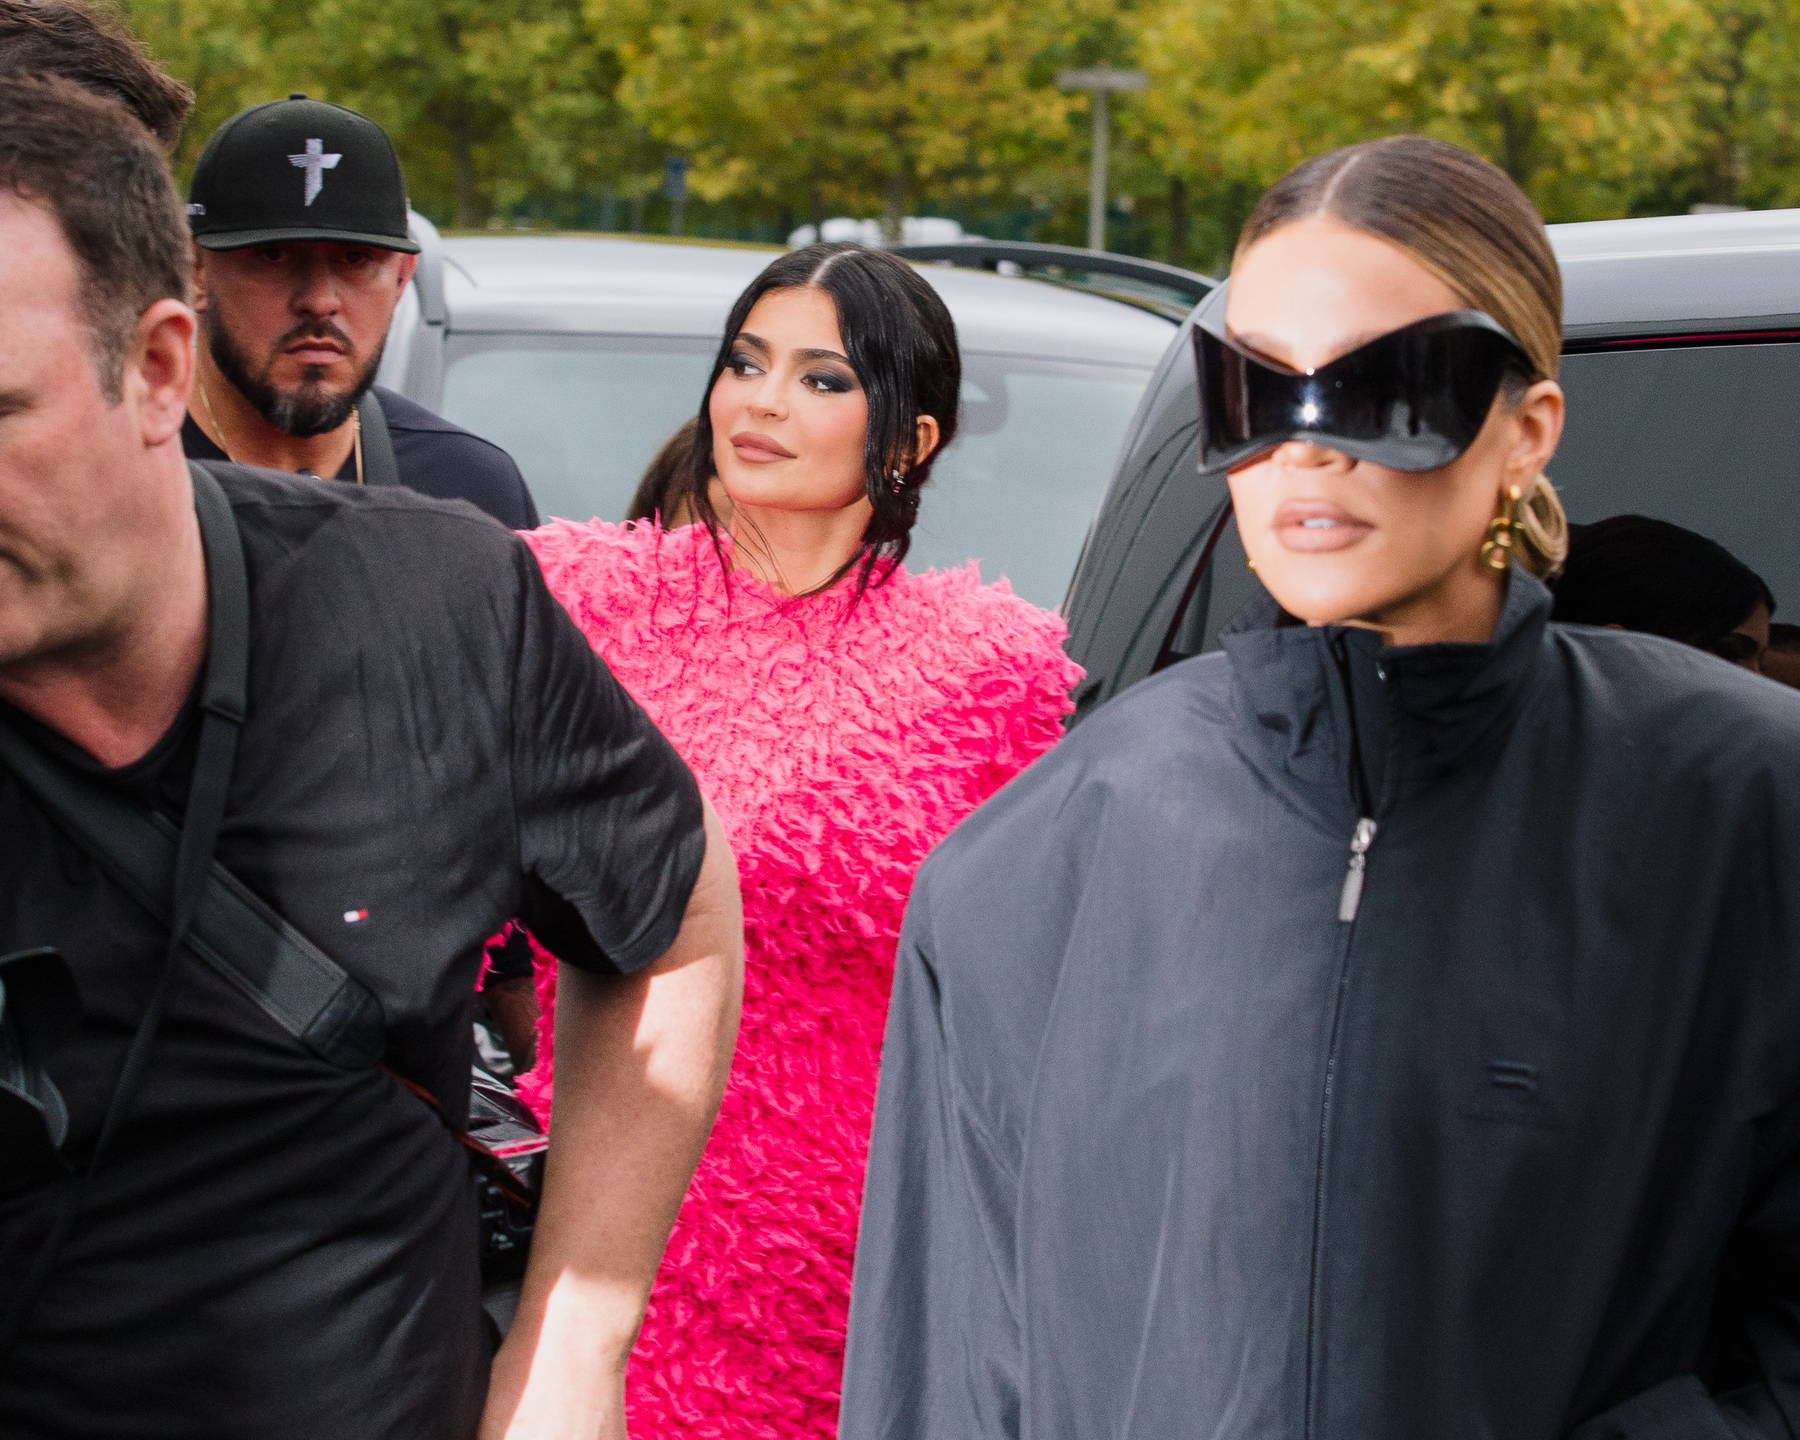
[(299, 169)]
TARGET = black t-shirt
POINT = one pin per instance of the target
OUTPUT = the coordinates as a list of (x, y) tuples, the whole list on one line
[(433, 457), (277, 1247)]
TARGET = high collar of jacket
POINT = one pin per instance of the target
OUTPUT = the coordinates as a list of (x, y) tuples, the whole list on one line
[(1330, 706)]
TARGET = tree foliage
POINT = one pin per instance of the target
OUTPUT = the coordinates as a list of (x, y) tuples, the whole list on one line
[(824, 108), (490, 102), (1596, 107), (798, 109)]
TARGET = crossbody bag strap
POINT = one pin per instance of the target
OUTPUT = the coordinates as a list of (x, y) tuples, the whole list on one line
[(233, 931), (307, 993), (379, 465), (224, 698)]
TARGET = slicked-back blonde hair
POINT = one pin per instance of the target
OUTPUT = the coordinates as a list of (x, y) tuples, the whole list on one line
[(1466, 222)]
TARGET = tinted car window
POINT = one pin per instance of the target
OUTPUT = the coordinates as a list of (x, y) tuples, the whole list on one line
[(1021, 485), (1705, 436), (583, 414)]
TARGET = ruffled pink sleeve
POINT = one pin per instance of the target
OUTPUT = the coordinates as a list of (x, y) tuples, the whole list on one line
[(1032, 682), (1009, 687)]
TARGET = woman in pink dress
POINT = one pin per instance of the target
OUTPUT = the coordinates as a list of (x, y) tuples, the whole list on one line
[(842, 713)]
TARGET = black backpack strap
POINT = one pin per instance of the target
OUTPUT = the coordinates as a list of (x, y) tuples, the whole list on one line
[(379, 465), (225, 688), (224, 695)]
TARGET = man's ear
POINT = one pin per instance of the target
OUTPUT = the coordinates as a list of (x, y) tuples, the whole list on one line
[(408, 264), (159, 370)]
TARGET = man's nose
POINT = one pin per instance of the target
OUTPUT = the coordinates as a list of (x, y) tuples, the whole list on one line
[(316, 290)]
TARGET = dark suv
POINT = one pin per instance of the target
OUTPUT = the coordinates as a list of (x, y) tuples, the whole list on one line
[(1682, 366)]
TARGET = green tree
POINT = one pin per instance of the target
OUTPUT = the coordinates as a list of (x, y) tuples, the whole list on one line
[(806, 108), (1743, 61), (1584, 102), (818, 107), (218, 47), (490, 102)]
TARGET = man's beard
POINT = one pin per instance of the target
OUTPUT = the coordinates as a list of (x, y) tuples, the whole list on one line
[(307, 409)]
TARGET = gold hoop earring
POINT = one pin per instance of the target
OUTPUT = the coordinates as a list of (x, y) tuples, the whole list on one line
[(1497, 549)]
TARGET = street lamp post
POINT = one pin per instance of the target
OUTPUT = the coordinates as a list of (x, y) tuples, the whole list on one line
[(1100, 81)]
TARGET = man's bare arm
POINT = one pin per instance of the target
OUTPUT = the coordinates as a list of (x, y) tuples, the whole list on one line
[(640, 1064)]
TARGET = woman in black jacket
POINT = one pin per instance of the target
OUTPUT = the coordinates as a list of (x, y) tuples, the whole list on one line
[(1388, 1029)]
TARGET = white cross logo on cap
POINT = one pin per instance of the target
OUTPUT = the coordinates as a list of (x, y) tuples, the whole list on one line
[(315, 162)]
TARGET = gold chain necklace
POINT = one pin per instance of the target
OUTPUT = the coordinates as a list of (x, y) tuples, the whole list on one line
[(219, 430)]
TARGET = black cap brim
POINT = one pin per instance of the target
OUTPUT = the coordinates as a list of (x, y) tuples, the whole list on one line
[(243, 239)]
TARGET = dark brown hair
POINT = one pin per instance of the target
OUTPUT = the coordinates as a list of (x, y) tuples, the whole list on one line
[(901, 342), (663, 487), (1466, 222), (96, 170), (91, 45)]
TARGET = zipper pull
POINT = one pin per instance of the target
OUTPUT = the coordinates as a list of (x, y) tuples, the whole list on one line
[(1351, 900)]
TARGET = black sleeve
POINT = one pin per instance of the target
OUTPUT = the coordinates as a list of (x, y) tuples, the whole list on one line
[(934, 1334), (446, 462), (1745, 1385), (482, 473), (611, 830), (528, 511), (512, 503), (1757, 1318)]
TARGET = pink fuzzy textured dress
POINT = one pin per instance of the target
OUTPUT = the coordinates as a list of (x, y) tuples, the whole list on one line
[(838, 743)]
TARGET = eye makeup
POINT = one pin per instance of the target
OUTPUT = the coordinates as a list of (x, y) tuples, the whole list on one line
[(751, 354), (830, 382)]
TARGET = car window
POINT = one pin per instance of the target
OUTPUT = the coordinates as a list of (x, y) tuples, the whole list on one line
[(583, 415), (1705, 436), (1023, 481)]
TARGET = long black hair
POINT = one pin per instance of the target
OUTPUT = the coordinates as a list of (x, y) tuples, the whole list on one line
[(901, 342)]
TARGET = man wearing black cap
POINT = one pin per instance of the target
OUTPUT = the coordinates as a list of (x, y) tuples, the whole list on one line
[(298, 210)]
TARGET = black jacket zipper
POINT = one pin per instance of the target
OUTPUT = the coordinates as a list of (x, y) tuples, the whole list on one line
[(1350, 899), (1362, 839)]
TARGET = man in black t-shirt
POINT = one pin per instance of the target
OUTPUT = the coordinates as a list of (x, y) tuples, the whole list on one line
[(298, 212), (275, 1245)]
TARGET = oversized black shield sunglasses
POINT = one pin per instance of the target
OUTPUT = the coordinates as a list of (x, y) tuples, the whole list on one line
[(1413, 399)]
